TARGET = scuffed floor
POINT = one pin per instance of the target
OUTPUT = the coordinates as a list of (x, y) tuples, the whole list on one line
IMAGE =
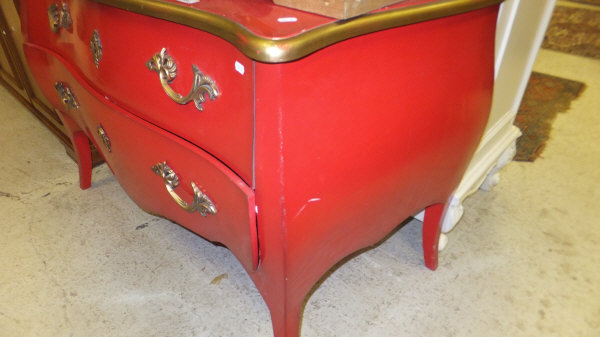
[(523, 261)]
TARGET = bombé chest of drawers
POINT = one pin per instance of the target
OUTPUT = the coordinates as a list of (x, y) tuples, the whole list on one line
[(291, 138)]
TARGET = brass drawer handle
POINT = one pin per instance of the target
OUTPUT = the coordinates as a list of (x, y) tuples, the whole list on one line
[(201, 203), (104, 137), (166, 68), (66, 96), (59, 17)]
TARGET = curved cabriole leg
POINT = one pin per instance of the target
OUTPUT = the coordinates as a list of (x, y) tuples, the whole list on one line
[(83, 154), (286, 322), (432, 226), (286, 303), (284, 295), (83, 151)]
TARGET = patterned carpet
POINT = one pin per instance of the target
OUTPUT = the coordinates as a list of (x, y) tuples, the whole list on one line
[(571, 30), (575, 31), (589, 2), (545, 97)]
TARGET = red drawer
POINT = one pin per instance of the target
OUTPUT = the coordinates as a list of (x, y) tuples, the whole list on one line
[(224, 127), (135, 150)]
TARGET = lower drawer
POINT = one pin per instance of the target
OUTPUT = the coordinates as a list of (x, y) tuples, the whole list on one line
[(162, 173)]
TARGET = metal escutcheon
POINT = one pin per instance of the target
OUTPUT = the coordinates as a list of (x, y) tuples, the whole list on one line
[(166, 68), (96, 48), (59, 17), (66, 96), (201, 204), (104, 137)]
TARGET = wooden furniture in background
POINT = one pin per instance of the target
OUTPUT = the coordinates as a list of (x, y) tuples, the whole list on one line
[(17, 79), (520, 32)]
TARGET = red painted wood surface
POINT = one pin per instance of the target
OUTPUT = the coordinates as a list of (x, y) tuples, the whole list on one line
[(359, 136), (348, 141), (266, 19), (261, 16)]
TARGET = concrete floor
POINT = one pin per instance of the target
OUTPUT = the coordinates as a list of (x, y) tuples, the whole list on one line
[(524, 260)]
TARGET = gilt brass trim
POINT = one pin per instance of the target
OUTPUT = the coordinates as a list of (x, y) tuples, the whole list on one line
[(66, 96), (288, 49), (96, 48), (201, 204), (165, 66)]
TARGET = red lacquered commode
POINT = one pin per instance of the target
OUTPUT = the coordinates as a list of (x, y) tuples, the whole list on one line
[(292, 138)]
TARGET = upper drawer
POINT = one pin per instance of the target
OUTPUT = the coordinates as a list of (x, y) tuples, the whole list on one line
[(127, 42), (137, 152)]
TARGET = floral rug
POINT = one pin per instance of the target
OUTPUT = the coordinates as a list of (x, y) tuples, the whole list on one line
[(571, 30), (544, 98), (574, 31)]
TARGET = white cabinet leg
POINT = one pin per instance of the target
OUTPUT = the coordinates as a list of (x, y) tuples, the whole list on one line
[(443, 242)]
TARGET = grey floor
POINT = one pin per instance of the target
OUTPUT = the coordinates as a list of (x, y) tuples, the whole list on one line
[(523, 261)]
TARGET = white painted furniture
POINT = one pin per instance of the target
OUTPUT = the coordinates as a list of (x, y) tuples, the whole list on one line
[(520, 32), (521, 28)]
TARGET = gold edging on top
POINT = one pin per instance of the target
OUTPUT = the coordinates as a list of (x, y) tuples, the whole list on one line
[(278, 50)]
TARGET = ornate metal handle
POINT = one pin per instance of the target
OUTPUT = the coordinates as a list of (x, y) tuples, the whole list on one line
[(66, 96), (166, 68), (104, 137), (59, 17), (201, 203)]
